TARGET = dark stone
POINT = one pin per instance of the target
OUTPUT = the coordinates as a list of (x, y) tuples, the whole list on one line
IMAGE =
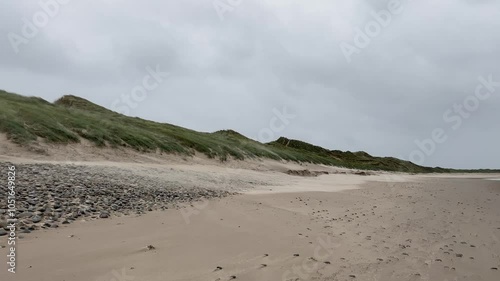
[(104, 215)]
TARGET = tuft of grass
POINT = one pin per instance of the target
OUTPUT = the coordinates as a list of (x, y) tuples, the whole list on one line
[(71, 118)]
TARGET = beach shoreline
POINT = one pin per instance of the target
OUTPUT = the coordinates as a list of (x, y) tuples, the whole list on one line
[(331, 227)]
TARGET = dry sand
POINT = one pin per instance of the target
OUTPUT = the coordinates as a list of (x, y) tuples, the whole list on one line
[(404, 231), (331, 227)]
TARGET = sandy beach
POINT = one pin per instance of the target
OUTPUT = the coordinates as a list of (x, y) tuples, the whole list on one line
[(230, 140), (331, 227)]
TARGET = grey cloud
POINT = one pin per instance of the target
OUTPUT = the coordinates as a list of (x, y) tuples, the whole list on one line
[(267, 55)]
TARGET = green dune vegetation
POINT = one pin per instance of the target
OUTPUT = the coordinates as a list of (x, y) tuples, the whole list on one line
[(70, 119)]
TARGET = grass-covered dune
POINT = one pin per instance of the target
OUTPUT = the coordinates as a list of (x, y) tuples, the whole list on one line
[(69, 119)]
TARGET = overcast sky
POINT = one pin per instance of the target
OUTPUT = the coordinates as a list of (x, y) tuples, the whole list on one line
[(350, 82)]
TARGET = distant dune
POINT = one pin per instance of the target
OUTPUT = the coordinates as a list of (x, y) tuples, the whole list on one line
[(33, 122)]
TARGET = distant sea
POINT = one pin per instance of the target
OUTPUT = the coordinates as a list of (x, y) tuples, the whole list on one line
[(494, 179)]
